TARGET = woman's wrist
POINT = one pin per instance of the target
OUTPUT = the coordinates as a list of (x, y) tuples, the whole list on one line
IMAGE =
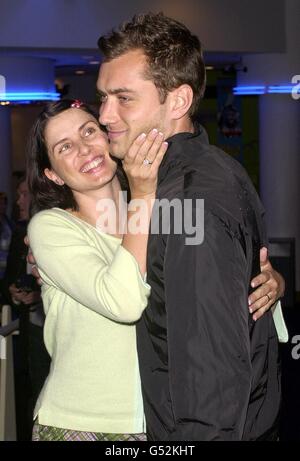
[(140, 196)]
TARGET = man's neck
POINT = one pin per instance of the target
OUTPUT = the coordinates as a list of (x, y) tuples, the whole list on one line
[(184, 125)]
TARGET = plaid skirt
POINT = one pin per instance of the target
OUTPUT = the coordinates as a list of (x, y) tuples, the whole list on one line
[(42, 433)]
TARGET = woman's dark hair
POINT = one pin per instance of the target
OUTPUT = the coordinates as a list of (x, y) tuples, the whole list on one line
[(44, 192)]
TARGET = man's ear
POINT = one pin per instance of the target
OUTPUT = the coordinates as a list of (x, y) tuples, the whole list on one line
[(53, 177), (181, 101)]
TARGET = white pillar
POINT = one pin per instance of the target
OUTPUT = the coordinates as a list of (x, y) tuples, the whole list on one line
[(280, 168), (19, 75), (279, 134)]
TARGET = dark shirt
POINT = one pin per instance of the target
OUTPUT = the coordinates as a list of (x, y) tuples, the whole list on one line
[(16, 268), (5, 238), (209, 372)]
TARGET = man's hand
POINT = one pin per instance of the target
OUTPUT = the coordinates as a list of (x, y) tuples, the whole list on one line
[(270, 285), (32, 297), (20, 296), (16, 293), (32, 261)]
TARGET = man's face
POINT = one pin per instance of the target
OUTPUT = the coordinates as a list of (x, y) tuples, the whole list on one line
[(23, 201), (130, 103), (2, 206)]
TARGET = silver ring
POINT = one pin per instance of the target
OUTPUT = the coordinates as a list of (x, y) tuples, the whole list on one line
[(147, 162)]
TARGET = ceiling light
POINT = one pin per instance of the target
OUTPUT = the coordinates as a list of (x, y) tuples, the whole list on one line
[(29, 96)]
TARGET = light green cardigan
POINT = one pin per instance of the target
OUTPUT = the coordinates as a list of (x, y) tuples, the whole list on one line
[(94, 382), (92, 293)]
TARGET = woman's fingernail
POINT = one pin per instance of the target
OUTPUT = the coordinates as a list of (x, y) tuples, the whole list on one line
[(142, 136), (165, 144)]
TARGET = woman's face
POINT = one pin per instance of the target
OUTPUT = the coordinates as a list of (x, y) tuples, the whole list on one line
[(78, 151)]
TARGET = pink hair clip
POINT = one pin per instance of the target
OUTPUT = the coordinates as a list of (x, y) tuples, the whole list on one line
[(76, 104)]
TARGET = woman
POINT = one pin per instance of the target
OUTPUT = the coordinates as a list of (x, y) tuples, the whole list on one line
[(94, 288)]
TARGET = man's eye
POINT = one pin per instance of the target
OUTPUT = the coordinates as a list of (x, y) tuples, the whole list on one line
[(124, 99), (103, 98)]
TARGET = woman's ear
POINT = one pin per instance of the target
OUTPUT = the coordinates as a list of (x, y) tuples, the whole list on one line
[(182, 99), (53, 177)]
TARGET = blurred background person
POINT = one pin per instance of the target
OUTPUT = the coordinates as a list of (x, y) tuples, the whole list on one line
[(5, 233), (20, 290)]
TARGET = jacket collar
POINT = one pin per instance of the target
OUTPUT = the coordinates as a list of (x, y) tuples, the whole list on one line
[(175, 152)]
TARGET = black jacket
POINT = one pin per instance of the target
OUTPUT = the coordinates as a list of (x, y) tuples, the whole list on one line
[(209, 372)]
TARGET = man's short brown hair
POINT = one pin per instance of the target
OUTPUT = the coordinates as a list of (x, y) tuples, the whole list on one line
[(173, 53)]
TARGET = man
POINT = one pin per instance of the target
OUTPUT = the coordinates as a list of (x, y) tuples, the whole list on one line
[(208, 369), (5, 233)]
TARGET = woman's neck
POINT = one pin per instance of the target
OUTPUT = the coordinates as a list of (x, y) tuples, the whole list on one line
[(100, 208)]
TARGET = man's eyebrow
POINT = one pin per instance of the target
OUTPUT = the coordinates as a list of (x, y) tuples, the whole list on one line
[(79, 129), (116, 91)]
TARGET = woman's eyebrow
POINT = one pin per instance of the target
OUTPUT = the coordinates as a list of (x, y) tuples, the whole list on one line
[(79, 129)]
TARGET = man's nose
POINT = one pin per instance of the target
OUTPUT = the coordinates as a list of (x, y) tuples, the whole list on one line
[(107, 113)]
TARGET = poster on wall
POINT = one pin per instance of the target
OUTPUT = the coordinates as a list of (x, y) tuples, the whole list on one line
[(229, 119)]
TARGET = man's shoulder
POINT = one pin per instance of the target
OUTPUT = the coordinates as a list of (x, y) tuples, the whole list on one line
[(203, 171), (223, 184), (210, 169), (209, 158)]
